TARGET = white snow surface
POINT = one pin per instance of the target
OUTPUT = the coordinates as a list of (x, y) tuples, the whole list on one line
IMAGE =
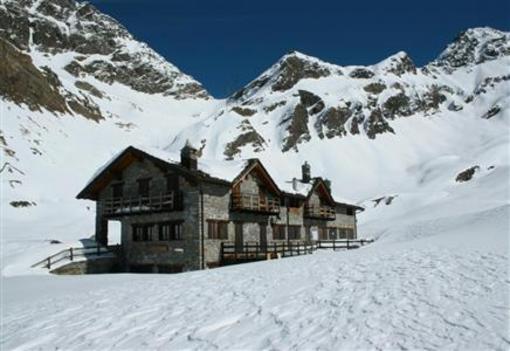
[(437, 284)]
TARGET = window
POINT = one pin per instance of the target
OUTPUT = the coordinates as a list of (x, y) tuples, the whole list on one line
[(118, 190), (143, 187), (323, 233), (349, 232), (350, 211), (278, 232), (217, 229), (332, 233), (142, 232), (170, 231), (294, 232)]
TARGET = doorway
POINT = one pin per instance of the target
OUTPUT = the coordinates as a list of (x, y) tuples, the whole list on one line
[(239, 237)]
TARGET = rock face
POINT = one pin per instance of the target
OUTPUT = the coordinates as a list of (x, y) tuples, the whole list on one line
[(101, 46), (474, 46)]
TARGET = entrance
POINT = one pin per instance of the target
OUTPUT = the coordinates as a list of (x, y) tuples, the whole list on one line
[(239, 236)]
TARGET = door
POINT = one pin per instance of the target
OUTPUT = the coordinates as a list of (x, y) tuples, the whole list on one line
[(263, 237), (239, 236)]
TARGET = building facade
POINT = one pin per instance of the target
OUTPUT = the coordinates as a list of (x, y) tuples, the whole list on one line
[(175, 216)]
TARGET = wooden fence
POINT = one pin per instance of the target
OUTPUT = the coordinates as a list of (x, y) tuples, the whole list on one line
[(231, 253), (73, 253)]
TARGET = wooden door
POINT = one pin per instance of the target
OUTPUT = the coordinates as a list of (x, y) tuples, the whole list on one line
[(239, 236)]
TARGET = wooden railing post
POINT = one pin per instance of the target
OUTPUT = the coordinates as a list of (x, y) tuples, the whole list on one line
[(348, 244), (49, 263), (98, 249), (71, 253)]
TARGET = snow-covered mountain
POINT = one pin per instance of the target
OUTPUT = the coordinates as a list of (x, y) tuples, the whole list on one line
[(76, 88), (302, 99)]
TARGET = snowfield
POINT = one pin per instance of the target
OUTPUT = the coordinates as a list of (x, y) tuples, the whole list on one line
[(446, 287)]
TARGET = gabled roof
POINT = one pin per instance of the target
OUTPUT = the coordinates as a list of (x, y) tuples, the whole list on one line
[(131, 154), (254, 164), (226, 173)]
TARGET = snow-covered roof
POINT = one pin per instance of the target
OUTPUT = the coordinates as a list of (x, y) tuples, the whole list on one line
[(214, 169)]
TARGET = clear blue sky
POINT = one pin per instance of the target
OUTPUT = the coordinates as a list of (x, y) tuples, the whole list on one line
[(226, 44)]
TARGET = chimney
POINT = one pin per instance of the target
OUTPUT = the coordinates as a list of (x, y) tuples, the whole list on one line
[(306, 172), (189, 157)]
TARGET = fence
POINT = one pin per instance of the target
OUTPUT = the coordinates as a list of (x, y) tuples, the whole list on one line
[(72, 253)]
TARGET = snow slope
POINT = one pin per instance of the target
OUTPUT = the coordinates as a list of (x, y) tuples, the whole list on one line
[(439, 284)]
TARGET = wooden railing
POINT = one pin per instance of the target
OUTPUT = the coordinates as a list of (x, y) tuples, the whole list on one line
[(256, 251), (126, 205), (323, 212), (230, 252), (337, 244), (254, 202), (73, 253)]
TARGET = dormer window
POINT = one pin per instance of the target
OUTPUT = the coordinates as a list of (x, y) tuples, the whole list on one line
[(143, 187)]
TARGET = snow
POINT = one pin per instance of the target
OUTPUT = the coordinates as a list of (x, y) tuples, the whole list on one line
[(436, 277), (443, 288)]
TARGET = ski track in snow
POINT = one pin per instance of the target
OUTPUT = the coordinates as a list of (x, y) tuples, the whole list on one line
[(398, 300)]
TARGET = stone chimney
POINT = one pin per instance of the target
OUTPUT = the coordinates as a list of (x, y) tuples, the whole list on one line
[(306, 172), (189, 157)]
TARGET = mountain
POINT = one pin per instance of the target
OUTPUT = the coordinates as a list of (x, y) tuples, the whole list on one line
[(408, 143), (75, 88), (305, 99)]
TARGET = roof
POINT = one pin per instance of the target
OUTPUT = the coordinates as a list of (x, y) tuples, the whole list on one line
[(212, 171)]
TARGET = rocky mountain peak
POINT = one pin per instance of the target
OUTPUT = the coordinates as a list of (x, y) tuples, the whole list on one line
[(474, 46), (399, 64), (286, 73), (102, 47)]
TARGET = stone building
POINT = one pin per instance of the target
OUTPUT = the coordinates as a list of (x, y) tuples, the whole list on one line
[(175, 215)]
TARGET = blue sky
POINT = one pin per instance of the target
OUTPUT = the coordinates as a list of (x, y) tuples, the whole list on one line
[(226, 44)]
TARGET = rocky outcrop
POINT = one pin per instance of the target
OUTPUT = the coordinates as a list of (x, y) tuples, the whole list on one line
[(248, 137), (57, 26), (332, 122), (376, 124), (473, 46), (467, 174), (297, 130)]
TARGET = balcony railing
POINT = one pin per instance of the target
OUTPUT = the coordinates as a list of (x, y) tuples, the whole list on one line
[(254, 202), (321, 212), (153, 203)]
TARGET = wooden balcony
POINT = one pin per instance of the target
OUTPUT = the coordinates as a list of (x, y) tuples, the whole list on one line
[(320, 212), (255, 203), (142, 204)]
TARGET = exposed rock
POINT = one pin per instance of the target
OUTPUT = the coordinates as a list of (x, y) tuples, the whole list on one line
[(375, 88), (331, 123), (493, 111), (293, 68), (309, 99), (22, 203), (249, 136), (467, 174), (297, 129), (397, 105), (69, 26), (89, 88), (402, 64), (274, 106), (474, 46), (23, 83), (376, 124), (247, 112), (453, 106), (433, 98), (361, 73)]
